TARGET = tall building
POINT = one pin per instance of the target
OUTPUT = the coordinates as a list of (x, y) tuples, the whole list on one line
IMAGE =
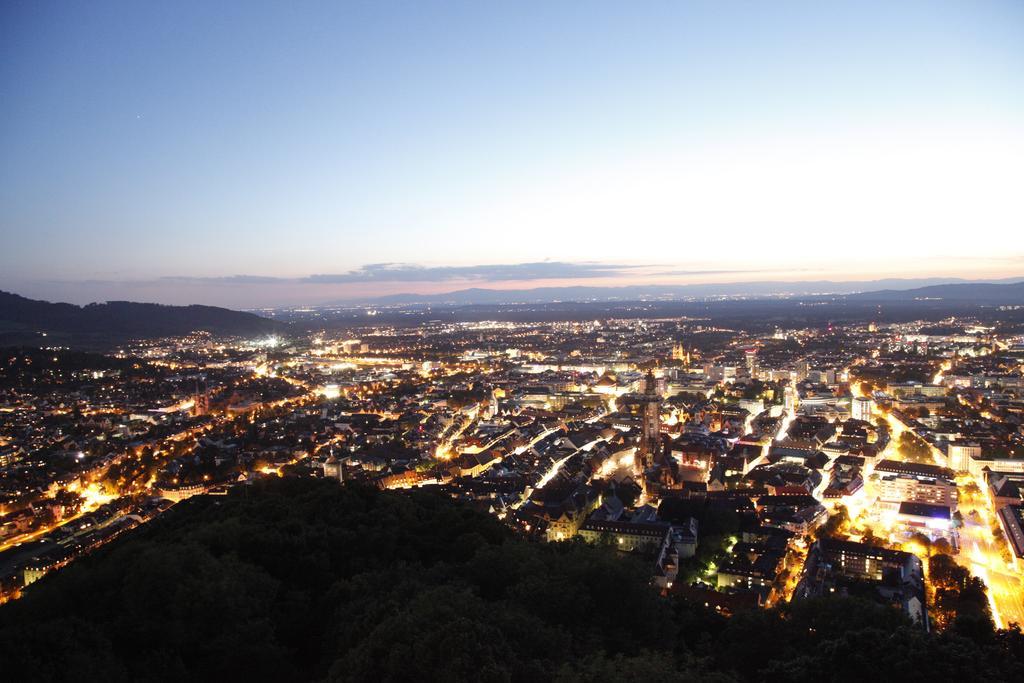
[(788, 398), (900, 488), (803, 368), (680, 353), (862, 408), (201, 398), (902, 482), (650, 439), (961, 453), (334, 468)]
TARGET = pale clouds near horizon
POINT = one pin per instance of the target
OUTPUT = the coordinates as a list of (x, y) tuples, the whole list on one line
[(162, 151)]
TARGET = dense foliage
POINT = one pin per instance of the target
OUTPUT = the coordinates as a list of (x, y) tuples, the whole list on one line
[(914, 448), (957, 594), (299, 580)]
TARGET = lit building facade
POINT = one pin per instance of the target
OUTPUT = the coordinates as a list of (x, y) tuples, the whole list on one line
[(862, 408)]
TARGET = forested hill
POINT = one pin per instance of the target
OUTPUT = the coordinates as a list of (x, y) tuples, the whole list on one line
[(22, 320), (987, 294), (293, 580)]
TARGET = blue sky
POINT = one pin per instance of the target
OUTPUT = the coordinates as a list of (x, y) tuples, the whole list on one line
[(158, 151)]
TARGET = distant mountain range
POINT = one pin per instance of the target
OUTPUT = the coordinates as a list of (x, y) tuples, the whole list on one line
[(982, 293), (888, 289), (22, 320)]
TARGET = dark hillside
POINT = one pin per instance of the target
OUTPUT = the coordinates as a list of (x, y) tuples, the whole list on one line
[(304, 580), (24, 319)]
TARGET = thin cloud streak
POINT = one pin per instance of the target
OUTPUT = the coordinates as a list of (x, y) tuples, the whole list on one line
[(542, 270), (408, 272), (687, 273)]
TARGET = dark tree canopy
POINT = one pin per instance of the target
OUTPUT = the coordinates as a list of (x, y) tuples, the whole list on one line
[(296, 580)]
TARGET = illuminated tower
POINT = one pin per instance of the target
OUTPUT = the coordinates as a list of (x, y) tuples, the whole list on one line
[(789, 398), (751, 357), (650, 438), (201, 399), (680, 353), (333, 468)]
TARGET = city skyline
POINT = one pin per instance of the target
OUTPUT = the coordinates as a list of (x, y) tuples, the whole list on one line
[(257, 156), (502, 341)]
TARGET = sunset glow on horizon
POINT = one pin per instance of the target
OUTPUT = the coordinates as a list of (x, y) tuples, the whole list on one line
[(255, 156)]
